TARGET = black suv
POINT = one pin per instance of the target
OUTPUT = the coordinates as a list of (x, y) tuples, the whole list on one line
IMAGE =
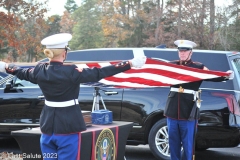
[(21, 101)]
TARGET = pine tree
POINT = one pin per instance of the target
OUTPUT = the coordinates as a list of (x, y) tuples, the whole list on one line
[(87, 32), (70, 6)]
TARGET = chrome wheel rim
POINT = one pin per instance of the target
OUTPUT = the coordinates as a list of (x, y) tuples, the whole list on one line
[(161, 141)]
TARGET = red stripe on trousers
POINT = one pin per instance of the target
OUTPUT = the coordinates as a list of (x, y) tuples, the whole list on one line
[(93, 145), (79, 146), (117, 141)]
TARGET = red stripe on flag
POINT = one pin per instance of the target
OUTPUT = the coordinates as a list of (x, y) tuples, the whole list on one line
[(113, 63), (91, 65)]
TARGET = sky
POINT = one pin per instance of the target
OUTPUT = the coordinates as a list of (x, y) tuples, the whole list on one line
[(57, 6)]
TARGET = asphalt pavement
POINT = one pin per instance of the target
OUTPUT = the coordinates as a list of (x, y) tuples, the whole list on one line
[(142, 152)]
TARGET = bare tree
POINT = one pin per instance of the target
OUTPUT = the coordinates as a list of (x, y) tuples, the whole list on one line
[(179, 18), (158, 31), (201, 24), (212, 22)]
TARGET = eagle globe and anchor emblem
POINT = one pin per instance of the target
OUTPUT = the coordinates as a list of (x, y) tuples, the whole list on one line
[(105, 146)]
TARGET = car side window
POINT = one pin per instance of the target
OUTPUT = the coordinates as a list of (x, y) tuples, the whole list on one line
[(99, 55), (236, 67), (236, 63)]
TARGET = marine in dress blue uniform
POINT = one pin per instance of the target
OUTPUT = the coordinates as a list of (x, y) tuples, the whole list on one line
[(61, 120), (181, 120)]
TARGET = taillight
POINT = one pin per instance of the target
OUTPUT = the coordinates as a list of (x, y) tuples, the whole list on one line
[(231, 101)]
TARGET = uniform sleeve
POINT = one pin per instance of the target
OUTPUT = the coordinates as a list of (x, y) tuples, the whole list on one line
[(23, 73), (96, 74), (218, 79)]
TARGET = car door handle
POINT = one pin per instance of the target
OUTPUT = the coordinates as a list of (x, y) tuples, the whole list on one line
[(41, 97), (110, 93)]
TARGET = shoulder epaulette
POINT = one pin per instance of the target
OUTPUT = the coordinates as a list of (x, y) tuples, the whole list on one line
[(197, 62), (42, 63), (68, 64)]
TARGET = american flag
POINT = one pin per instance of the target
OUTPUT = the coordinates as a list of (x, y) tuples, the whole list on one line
[(154, 73)]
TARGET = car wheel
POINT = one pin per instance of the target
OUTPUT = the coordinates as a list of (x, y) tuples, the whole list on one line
[(158, 140)]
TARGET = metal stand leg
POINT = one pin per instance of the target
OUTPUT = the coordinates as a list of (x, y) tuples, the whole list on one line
[(95, 105), (97, 95), (102, 101)]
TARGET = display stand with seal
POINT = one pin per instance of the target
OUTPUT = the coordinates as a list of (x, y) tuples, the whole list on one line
[(100, 116)]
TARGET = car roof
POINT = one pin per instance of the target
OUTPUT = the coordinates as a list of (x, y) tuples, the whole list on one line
[(98, 54), (26, 64)]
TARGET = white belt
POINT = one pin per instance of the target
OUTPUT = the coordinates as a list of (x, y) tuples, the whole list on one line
[(196, 94), (182, 90), (61, 104)]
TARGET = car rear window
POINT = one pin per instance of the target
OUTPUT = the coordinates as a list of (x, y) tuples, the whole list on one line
[(99, 55)]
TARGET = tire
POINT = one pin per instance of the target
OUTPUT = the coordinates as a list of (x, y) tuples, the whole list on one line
[(158, 140)]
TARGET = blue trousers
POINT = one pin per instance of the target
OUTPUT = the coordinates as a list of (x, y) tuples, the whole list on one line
[(181, 134), (60, 147)]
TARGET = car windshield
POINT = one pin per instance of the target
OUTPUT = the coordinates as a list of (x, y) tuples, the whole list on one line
[(18, 83), (23, 83), (4, 77)]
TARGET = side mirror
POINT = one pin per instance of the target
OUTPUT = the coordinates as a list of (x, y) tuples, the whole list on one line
[(8, 85)]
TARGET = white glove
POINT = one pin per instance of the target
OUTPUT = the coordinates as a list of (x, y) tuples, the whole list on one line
[(231, 76), (2, 66), (138, 62)]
